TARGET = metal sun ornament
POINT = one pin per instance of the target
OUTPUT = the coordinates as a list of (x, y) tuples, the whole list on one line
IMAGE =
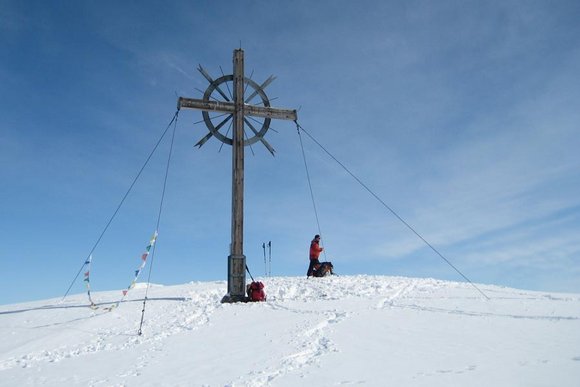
[(215, 92)]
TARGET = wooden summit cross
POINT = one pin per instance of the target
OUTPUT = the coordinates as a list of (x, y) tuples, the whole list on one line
[(236, 107)]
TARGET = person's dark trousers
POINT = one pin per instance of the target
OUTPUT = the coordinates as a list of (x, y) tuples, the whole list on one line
[(313, 262)]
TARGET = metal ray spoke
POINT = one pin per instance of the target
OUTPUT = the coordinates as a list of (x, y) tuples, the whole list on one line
[(261, 123), (211, 81), (200, 121), (204, 140), (270, 79), (266, 144), (217, 128), (227, 133), (227, 86), (246, 138)]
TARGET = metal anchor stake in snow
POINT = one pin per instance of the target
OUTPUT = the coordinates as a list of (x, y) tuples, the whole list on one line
[(236, 107)]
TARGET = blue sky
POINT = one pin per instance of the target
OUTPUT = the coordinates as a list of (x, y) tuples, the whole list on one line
[(462, 116)]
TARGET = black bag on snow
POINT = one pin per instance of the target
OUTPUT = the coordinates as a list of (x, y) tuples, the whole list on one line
[(324, 269)]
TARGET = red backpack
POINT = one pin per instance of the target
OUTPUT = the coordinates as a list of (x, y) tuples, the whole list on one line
[(256, 291)]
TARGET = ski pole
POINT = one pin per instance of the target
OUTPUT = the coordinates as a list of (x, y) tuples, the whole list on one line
[(265, 267), (248, 270), (270, 258)]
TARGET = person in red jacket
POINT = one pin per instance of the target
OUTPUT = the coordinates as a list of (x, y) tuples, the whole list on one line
[(315, 251)]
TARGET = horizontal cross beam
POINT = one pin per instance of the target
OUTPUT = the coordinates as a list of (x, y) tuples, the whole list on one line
[(229, 107)]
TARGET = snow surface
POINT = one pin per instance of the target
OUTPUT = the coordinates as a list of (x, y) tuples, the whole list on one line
[(347, 330)]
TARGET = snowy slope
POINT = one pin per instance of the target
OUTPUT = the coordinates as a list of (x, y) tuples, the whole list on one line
[(347, 330)]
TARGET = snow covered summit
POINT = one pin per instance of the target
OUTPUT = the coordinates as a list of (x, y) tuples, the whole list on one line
[(347, 330)]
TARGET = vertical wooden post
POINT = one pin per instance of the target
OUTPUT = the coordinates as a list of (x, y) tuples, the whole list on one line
[(237, 259)]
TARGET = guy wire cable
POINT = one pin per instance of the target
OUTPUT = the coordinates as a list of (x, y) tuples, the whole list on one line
[(120, 205), (298, 127), (158, 221), (391, 210)]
